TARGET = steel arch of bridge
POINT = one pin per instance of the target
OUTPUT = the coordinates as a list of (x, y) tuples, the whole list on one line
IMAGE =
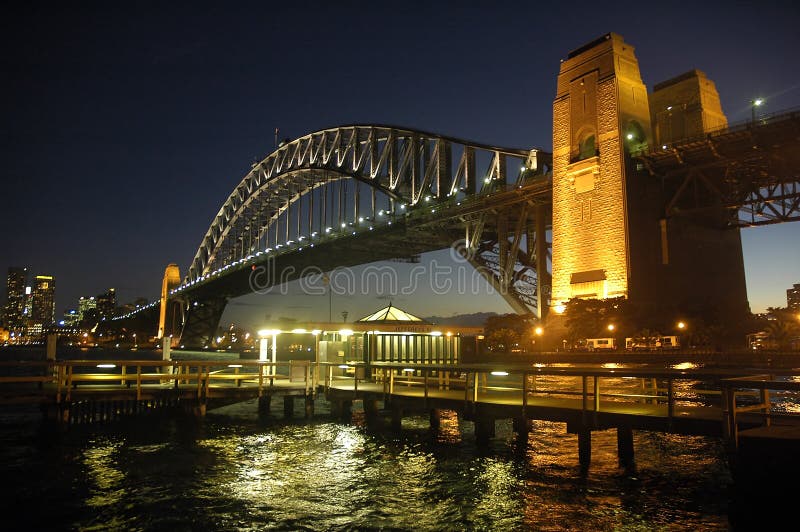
[(354, 170)]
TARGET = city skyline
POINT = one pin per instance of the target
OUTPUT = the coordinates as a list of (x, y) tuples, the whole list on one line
[(137, 142)]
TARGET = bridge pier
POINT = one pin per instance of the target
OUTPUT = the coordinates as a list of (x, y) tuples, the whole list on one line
[(584, 448), (625, 448)]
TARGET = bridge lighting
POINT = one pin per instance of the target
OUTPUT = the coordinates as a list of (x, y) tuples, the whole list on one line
[(539, 331), (315, 332), (269, 332), (299, 331), (343, 366), (436, 333), (344, 333), (500, 373), (107, 366), (408, 370)]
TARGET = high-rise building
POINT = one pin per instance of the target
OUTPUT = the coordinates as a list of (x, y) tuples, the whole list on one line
[(793, 298), (87, 309), (43, 304), (70, 318), (15, 298), (107, 304)]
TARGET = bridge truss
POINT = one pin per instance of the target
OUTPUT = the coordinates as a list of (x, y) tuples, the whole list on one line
[(742, 176), (357, 194)]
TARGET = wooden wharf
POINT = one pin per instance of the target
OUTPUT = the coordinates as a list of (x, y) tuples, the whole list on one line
[(737, 405)]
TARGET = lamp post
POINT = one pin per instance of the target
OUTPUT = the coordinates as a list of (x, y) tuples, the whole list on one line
[(758, 102)]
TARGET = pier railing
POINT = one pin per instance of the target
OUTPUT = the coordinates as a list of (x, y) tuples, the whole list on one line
[(64, 377), (764, 410)]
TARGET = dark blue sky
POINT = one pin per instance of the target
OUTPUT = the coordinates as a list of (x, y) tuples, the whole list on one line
[(124, 127)]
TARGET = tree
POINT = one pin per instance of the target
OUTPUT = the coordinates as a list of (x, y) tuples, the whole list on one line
[(508, 331)]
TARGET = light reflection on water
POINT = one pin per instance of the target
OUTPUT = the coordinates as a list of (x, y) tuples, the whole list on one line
[(232, 472)]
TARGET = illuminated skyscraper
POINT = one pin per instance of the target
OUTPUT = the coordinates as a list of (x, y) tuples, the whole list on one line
[(43, 304), (107, 304), (793, 298), (15, 299), (87, 308)]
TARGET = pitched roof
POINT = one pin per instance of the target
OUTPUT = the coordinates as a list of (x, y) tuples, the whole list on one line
[(391, 313)]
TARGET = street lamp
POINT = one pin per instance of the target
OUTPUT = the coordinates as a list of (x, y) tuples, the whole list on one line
[(758, 102), (611, 327), (539, 331), (681, 325)]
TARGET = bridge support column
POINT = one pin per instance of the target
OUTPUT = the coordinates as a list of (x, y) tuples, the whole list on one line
[(288, 406), (397, 417), (264, 403), (484, 429), (371, 408), (200, 409), (584, 448), (625, 448)]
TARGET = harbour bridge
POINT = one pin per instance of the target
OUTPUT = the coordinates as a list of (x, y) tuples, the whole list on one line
[(356, 194)]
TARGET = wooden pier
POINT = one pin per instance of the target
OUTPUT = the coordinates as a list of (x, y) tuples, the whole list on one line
[(735, 405), (87, 391)]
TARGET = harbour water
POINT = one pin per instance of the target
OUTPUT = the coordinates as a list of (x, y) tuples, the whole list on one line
[(234, 470)]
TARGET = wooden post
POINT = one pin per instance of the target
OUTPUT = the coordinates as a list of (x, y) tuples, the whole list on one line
[(625, 447), (584, 449), (484, 429), (522, 427), (288, 406), (397, 417), (435, 419), (264, 403), (309, 405)]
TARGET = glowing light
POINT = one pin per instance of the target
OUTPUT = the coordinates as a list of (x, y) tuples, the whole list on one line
[(539, 331), (681, 325), (343, 366), (758, 101), (408, 370), (299, 331), (436, 333), (269, 332), (629, 136), (559, 309), (107, 366), (345, 332), (315, 332), (234, 365), (500, 373), (611, 327)]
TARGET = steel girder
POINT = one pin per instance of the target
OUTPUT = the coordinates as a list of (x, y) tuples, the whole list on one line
[(332, 179), (741, 176)]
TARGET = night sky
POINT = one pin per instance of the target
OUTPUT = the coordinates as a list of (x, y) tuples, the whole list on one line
[(125, 127)]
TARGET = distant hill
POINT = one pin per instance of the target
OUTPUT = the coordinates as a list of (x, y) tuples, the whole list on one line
[(476, 319)]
